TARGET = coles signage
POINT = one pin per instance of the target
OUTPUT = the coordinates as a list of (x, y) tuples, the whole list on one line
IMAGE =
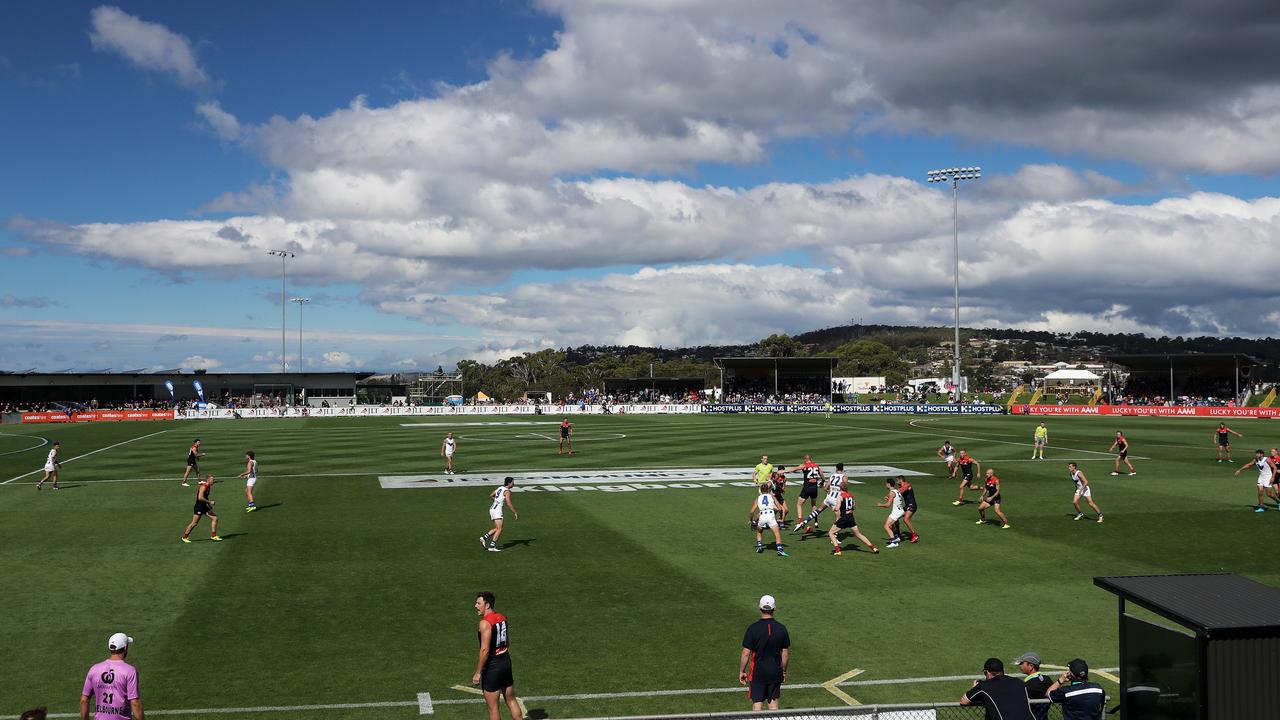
[(97, 416), (843, 409), (1147, 411)]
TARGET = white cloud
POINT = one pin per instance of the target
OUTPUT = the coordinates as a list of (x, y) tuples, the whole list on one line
[(148, 45), (200, 362), (223, 123), (339, 359)]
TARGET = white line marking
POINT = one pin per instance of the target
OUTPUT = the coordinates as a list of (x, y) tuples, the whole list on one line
[(94, 452), (424, 704), (544, 698), (494, 423), (737, 476), (43, 441), (966, 437)]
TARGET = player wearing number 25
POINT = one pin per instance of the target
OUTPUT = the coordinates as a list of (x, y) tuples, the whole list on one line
[(113, 685)]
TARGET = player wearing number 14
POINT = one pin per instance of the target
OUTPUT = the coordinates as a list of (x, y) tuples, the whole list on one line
[(113, 685)]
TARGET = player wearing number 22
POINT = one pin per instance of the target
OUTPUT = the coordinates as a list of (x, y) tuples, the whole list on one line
[(493, 668), (113, 685)]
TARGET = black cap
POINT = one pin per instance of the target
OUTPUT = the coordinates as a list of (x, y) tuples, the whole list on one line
[(1079, 668), (994, 665)]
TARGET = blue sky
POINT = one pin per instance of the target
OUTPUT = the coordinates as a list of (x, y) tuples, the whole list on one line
[(478, 179)]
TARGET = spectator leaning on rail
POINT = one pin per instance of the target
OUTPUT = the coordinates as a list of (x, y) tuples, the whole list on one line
[(1080, 699), (1036, 683), (1003, 697)]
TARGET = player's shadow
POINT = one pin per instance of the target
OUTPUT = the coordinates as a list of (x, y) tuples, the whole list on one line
[(268, 507), (68, 487), (526, 542), (537, 714), (228, 536)]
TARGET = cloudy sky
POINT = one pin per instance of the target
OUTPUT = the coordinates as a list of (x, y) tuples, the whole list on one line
[(476, 179)]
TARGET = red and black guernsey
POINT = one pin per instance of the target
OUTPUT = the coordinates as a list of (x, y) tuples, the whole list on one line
[(498, 641), (845, 508), (812, 474), (564, 428), (766, 639)]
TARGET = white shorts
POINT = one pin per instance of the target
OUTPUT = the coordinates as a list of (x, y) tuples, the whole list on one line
[(495, 514), (896, 514), (831, 502), (950, 460), (767, 521), (1264, 482), (48, 467), (1084, 492), (448, 454), (250, 481)]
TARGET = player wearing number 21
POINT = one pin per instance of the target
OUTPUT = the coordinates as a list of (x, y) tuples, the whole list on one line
[(113, 685)]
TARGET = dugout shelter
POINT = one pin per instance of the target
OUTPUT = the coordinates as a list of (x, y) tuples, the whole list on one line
[(1209, 653), (776, 377)]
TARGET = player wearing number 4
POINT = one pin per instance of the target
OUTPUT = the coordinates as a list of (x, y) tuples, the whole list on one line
[(763, 514), (498, 497)]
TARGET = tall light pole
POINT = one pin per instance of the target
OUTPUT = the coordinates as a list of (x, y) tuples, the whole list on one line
[(301, 358), (284, 255), (954, 176)]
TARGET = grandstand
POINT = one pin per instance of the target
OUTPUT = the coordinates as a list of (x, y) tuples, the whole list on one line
[(755, 379), (147, 388), (1209, 378)]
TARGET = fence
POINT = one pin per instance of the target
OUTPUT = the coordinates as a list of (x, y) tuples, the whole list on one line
[(1040, 708)]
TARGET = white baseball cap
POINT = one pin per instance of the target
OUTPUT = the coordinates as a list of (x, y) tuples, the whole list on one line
[(118, 642), (768, 603)]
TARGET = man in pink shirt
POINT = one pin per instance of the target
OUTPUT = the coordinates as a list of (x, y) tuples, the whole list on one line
[(113, 683)]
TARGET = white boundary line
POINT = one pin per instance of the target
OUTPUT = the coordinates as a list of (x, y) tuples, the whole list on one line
[(426, 703), (1109, 455), (93, 452), (43, 441)]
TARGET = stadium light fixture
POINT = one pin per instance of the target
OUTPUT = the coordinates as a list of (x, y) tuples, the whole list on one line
[(302, 362), (283, 255), (954, 176)]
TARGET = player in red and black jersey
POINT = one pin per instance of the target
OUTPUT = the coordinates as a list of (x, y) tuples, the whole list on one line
[(1222, 438), (967, 464), (991, 499), (193, 462), (908, 505), (845, 521), (566, 429), (812, 474), (204, 506), (778, 487), (493, 668)]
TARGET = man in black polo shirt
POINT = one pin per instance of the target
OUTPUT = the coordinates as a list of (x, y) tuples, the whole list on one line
[(1004, 697), (1036, 683), (766, 649), (1081, 699)]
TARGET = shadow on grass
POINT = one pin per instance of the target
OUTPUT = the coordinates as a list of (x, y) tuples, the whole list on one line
[(526, 542), (268, 507)]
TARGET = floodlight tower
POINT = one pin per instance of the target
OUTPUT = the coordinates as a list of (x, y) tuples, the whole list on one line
[(954, 176), (302, 365), (283, 255)]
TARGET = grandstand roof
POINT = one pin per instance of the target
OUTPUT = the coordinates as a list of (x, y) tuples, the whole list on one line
[(1215, 604), (814, 364), (1203, 362), (1071, 375)]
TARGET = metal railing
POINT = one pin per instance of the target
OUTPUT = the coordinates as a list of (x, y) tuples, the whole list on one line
[(1041, 709)]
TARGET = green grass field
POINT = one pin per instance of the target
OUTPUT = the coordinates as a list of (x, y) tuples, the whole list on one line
[(339, 591)]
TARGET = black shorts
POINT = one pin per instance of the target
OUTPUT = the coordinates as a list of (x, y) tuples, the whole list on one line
[(497, 674), (846, 522), (967, 471), (204, 508), (809, 491), (778, 494), (909, 507), (992, 500), (1124, 454), (765, 691), (1224, 442), (193, 464)]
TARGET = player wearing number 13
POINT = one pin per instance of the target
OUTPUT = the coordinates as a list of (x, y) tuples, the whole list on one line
[(113, 685), (493, 668)]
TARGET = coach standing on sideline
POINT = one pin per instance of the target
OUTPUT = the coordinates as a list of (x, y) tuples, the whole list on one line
[(1004, 697), (113, 684), (766, 650)]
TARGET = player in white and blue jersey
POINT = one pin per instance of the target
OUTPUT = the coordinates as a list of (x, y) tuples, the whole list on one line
[(764, 514), (497, 498)]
